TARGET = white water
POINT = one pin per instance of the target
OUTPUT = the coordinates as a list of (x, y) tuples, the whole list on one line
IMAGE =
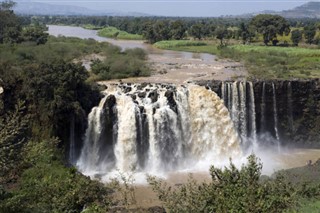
[(243, 110), (199, 134), (253, 117), (263, 106), (275, 114)]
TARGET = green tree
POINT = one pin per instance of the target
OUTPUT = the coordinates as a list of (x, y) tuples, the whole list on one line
[(246, 33), (13, 128), (221, 34), (35, 34), (270, 26), (178, 30), (309, 33), (10, 28), (149, 33), (296, 36), (196, 31)]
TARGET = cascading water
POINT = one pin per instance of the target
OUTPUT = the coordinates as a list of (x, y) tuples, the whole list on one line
[(239, 99), (252, 113), (275, 114), (263, 107), (157, 128)]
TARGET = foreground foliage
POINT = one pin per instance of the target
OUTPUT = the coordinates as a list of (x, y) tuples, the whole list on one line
[(46, 185), (235, 190)]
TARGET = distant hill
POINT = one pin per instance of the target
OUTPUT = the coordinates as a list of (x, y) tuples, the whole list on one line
[(26, 7), (307, 10)]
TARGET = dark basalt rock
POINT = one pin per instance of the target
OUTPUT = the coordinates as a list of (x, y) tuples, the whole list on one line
[(153, 95), (110, 102), (170, 97), (142, 94)]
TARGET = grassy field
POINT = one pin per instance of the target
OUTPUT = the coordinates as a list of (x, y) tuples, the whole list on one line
[(263, 62), (112, 32)]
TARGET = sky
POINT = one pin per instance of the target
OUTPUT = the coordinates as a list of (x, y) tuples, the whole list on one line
[(192, 8)]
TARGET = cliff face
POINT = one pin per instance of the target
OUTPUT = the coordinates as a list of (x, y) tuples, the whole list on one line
[(289, 110)]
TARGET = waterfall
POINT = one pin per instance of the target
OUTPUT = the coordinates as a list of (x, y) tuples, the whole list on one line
[(224, 93), (125, 148), (211, 126), (89, 158), (275, 114), (157, 128), (263, 107), (253, 115), (235, 105), (239, 99), (243, 110)]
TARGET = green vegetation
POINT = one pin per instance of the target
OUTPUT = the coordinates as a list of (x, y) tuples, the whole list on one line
[(269, 26), (91, 27), (237, 190), (178, 43), (312, 206), (262, 62), (46, 185), (130, 63), (112, 32)]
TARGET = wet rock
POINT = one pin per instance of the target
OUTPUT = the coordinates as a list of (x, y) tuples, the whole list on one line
[(110, 102), (153, 95), (134, 97), (170, 97), (142, 94)]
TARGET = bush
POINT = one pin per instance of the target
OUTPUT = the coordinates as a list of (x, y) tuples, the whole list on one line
[(48, 186), (231, 190)]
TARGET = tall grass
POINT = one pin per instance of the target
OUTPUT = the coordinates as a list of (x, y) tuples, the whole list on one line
[(112, 32), (178, 43)]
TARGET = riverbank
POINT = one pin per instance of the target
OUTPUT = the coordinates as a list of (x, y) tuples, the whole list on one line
[(262, 62), (167, 66)]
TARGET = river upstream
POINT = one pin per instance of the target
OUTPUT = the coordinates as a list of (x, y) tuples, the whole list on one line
[(169, 66)]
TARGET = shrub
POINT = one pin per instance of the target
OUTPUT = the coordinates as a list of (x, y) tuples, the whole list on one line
[(231, 190)]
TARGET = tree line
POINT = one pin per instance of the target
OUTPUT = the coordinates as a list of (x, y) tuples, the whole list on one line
[(174, 28)]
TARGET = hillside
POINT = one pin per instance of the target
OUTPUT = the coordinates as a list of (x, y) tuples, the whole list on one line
[(26, 7), (308, 10)]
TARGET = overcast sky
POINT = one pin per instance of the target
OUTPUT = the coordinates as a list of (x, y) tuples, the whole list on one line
[(183, 7)]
